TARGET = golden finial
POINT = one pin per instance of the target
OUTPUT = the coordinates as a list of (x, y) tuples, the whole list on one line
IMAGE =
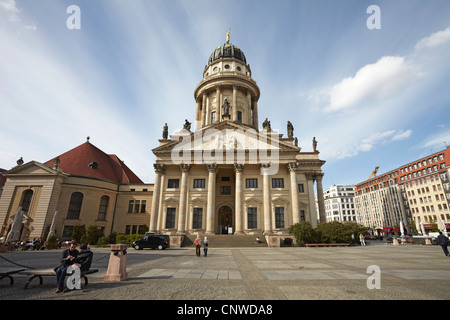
[(228, 35)]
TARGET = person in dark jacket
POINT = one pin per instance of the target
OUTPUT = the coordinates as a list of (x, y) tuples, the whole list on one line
[(443, 242), (68, 258), (84, 258)]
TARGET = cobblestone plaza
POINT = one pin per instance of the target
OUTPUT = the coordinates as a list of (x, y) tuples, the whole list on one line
[(408, 272)]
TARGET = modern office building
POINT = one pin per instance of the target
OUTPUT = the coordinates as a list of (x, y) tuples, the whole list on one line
[(339, 203)]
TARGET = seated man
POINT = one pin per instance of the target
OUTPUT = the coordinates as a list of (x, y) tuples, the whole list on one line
[(84, 258), (67, 260)]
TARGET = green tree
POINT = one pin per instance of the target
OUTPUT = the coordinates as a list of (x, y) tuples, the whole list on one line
[(339, 232), (93, 233), (77, 232), (303, 233)]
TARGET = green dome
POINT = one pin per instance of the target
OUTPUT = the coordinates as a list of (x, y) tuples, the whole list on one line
[(227, 50)]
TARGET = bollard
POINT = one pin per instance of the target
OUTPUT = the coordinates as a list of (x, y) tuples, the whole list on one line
[(117, 267)]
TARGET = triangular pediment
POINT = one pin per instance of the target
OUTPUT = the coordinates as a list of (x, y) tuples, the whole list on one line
[(32, 168)]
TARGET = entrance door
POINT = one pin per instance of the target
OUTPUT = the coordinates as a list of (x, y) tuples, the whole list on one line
[(225, 219)]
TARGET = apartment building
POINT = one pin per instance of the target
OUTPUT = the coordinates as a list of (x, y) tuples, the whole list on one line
[(416, 192)]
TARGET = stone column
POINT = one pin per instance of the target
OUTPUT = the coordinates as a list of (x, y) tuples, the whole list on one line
[(235, 110), (218, 106), (210, 205), (198, 114), (294, 192), (203, 109), (255, 115), (183, 198), (311, 199), (159, 171), (250, 113), (238, 168), (266, 199), (320, 199)]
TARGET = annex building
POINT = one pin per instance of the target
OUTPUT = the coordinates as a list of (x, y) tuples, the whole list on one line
[(222, 175), (417, 194)]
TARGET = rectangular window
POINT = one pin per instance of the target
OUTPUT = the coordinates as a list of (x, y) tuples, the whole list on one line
[(225, 190), (143, 206), (213, 117), (251, 218), (279, 217), (197, 219), (277, 183), (239, 119), (76, 201), (103, 208), (300, 188), (130, 206), (302, 215), (170, 218), (173, 183), (251, 183), (199, 183), (67, 232), (136, 206)]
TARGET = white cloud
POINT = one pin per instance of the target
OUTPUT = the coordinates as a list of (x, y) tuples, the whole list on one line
[(437, 140), (370, 142), (372, 83), (9, 10), (402, 135), (435, 39)]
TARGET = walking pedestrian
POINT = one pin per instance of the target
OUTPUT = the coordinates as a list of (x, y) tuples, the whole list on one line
[(198, 245), (205, 246), (443, 242), (361, 239)]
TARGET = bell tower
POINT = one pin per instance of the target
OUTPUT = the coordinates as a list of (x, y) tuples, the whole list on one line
[(227, 91)]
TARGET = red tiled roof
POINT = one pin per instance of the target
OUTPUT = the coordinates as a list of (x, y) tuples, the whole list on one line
[(76, 162)]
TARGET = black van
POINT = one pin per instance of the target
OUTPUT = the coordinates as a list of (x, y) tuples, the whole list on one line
[(154, 241)]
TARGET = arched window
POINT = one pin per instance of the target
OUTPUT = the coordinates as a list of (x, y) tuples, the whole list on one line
[(75, 205), (103, 208), (26, 200)]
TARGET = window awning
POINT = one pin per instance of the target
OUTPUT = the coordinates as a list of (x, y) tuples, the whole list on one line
[(396, 229), (386, 229)]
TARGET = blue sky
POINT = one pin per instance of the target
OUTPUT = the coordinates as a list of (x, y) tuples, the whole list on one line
[(370, 97)]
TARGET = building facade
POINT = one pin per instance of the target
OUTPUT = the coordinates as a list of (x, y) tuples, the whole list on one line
[(417, 193), (84, 185), (221, 175), (339, 204)]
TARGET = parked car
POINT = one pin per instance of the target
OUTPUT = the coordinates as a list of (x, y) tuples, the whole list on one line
[(370, 237), (153, 241)]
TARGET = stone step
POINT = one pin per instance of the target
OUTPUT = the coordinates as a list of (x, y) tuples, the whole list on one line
[(227, 240)]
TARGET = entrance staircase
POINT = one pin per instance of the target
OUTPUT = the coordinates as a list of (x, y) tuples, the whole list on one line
[(227, 240)]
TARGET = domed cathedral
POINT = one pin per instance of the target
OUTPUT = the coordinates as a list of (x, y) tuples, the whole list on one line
[(224, 175)]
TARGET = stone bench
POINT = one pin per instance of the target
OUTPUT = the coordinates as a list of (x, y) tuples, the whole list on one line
[(40, 273), (6, 273), (327, 244)]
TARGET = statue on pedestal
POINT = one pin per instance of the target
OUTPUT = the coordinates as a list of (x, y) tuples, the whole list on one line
[(165, 132), (290, 130), (226, 107)]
